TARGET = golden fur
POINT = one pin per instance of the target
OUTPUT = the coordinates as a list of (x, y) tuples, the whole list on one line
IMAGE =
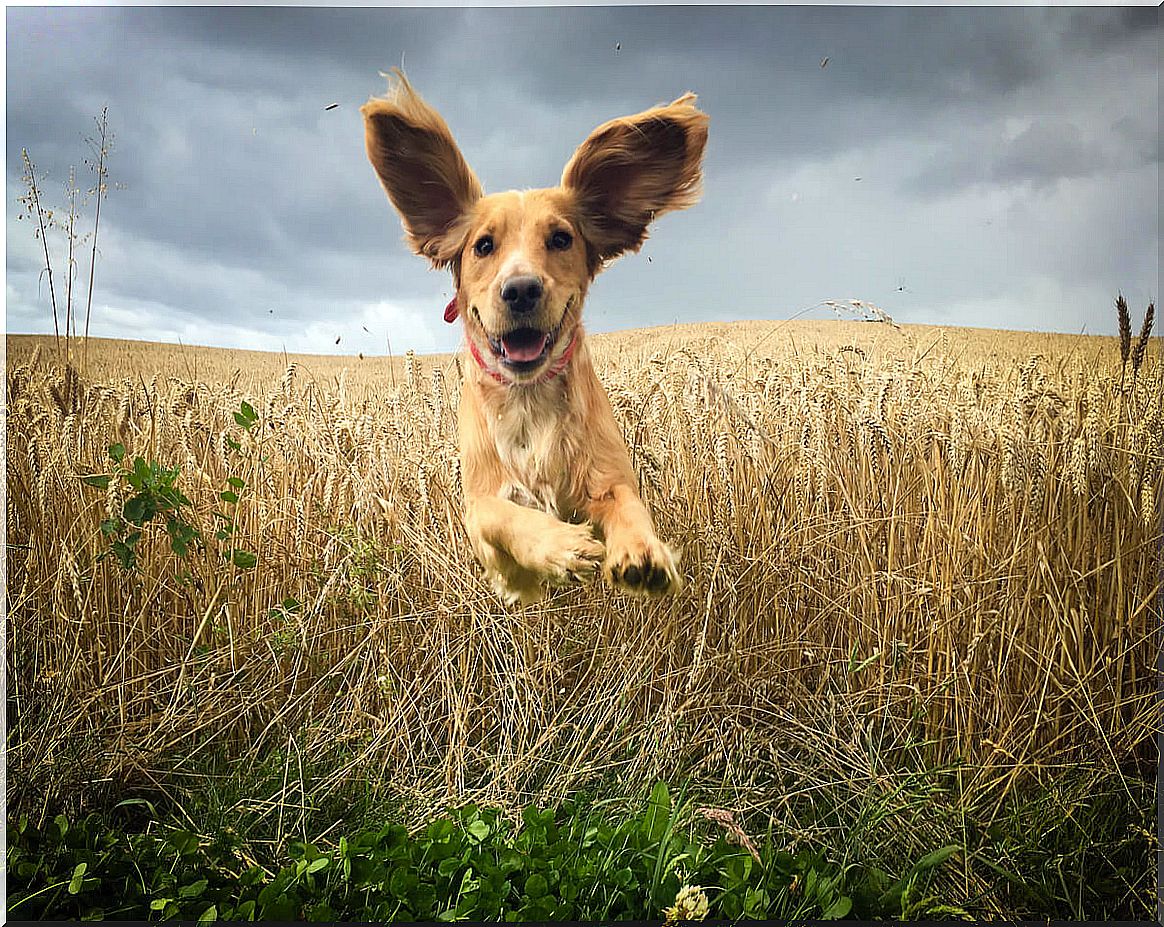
[(550, 494)]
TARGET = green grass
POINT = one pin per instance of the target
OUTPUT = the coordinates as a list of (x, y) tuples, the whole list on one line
[(577, 863), (1079, 849)]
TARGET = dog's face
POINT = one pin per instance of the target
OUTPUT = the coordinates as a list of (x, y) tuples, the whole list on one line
[(522, 261), (523, 276)]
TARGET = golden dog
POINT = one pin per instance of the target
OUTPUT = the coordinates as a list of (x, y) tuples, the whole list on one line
[(549, 489)]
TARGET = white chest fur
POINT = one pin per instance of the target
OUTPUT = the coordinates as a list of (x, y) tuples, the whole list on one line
[(527, 433)]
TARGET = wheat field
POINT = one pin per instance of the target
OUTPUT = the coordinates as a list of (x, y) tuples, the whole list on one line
[(903, 548)]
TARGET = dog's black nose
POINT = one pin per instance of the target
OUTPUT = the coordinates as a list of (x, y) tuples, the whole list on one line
[(522, 294)]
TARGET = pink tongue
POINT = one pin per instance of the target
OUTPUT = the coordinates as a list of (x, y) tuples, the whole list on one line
[(524, 345)]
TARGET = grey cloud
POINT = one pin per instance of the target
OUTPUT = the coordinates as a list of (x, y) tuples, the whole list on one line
[(1101, 30), (1045, 152), (241, 191), (1049, 150)]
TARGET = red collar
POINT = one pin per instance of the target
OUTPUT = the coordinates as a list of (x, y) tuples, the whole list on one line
[(552, 371)]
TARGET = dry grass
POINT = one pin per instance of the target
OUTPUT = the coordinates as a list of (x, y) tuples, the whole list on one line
[(903, 548)]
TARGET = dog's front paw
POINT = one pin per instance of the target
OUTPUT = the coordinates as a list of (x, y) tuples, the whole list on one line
[(642, 565), (566, 554)]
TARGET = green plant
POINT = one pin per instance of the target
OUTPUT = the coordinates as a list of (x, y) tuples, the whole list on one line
[(472, 864), (65, 868), (246, 418), (155, 496), (364, 565)]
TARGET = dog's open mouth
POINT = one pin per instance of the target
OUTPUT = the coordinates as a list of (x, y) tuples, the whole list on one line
[(523, 349)]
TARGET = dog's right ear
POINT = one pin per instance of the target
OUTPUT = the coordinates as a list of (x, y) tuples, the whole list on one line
[(422, 170)]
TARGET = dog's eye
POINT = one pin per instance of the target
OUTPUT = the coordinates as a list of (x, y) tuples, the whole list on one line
[(484, 246), (560, 240)]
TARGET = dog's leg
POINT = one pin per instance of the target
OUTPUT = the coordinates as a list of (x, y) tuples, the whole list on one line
[(524, 549), (635, 557)]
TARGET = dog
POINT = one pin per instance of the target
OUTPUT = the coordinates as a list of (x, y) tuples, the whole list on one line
[(550, 494)]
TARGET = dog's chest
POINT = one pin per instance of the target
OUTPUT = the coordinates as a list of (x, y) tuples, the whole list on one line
[(527, 431)]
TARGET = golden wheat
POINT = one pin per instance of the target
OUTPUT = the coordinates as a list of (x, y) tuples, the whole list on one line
[(897, 543)]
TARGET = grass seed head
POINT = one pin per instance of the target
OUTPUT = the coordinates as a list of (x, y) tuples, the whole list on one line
[(1142, 343), (1125, 324)]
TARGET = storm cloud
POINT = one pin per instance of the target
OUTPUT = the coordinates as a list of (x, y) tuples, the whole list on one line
[(989, 167)]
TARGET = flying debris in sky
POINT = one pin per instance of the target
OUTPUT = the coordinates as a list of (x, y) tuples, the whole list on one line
[(337, 339), (330, 106), (618, 46), (824, 62)]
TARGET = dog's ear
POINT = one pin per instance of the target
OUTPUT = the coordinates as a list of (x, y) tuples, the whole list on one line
[(631, 170), (422, 170)]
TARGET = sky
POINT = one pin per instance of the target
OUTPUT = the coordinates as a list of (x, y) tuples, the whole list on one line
[(968, 166)]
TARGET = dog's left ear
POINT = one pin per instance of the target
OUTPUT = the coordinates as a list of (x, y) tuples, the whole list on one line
[(633, 169)]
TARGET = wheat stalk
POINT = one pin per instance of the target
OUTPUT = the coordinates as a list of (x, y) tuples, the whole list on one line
[(1142, 342), (1125, 324), (847, 534)]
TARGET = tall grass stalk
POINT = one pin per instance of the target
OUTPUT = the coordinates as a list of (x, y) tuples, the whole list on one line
[(46, 222)]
